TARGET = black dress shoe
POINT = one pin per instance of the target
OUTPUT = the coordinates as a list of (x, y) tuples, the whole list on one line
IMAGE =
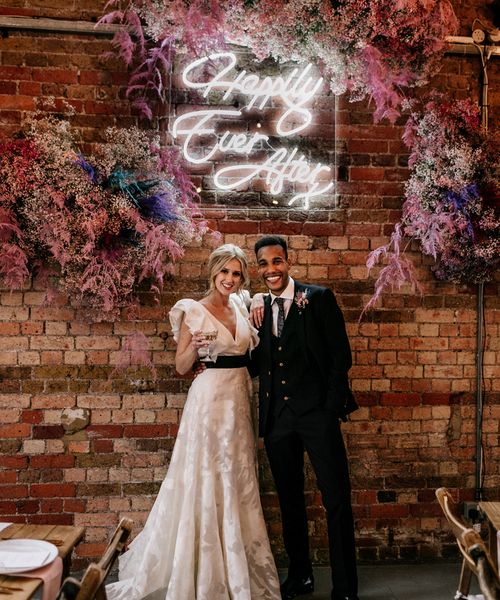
[(297, 586)]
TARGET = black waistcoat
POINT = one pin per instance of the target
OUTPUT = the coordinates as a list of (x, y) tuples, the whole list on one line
[(294, 372)]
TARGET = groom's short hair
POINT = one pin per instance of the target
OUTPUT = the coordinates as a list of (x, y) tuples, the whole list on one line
[(271, 240)]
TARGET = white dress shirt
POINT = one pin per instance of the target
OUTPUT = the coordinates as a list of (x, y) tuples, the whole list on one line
[(287, 296)]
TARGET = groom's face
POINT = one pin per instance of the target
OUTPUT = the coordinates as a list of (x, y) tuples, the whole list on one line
[(273, 268)]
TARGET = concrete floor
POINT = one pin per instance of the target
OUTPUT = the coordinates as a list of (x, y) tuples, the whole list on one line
[(435, 581), (430, 581)]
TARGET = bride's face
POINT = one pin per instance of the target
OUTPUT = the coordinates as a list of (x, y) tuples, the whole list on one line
[(228, 279)]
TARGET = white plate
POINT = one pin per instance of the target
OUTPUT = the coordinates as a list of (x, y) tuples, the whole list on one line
[(19, 555)]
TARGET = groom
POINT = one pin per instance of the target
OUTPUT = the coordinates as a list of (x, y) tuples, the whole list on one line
[(302, 361)]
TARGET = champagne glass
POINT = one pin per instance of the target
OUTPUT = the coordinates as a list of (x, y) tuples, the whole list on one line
[(205, 352)]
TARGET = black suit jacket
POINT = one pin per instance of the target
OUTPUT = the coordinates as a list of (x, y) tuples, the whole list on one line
[(319, 329)]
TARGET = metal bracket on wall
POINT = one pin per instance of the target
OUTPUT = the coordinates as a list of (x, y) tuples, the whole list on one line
[(56, 25), (467, 45)]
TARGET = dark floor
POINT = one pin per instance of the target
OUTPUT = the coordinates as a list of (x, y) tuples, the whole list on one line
[(400, 582), (397, 582)]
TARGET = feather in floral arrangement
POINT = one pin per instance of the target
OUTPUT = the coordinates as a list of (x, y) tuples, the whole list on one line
[(452, 206), (370, 48), (97, 226)]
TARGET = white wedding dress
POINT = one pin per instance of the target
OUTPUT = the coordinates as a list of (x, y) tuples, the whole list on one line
[(205, 537)]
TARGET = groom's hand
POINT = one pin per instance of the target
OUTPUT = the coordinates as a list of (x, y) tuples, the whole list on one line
[(257, 310), (198, 368)]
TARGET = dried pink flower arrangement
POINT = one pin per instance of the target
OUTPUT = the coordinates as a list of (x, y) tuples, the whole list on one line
[(94, 228), (369, 48), (452, 207)]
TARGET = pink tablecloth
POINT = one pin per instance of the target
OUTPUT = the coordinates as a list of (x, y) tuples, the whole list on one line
[(50, 575), (51, 578)]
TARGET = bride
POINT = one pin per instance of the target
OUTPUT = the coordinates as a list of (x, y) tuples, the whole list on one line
[(205, 537)]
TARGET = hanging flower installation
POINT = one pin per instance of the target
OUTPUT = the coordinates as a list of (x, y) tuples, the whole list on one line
[(92, 227), (367, 47), (451, 206)]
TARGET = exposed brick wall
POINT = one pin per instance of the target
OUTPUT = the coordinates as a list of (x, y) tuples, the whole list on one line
[(414, 357)]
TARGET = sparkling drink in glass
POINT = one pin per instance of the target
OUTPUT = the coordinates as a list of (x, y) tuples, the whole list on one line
[(205, 352)]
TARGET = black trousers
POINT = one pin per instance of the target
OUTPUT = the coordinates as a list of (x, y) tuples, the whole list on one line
[(318, 433)]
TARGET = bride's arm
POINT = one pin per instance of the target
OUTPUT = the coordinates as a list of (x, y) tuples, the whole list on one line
[(187, 348)]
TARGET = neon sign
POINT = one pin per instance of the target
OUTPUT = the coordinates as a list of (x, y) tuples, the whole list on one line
[(283, 165)]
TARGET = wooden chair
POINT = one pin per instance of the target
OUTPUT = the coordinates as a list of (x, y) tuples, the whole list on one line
[(476, 559), (487, 576), (91, 585)]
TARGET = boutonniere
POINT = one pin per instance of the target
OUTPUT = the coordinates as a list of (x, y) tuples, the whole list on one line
[(301, 300)]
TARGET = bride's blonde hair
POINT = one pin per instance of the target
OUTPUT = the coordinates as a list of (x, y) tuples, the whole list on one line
[(219, 259)]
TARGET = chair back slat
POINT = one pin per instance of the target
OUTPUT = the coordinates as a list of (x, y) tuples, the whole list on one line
[(457, 527), (488, 578), (476, 556), (116, 545), (91, 585)]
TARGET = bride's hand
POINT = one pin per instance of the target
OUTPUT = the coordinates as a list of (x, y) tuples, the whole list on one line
[(257, 310), (199, 340)]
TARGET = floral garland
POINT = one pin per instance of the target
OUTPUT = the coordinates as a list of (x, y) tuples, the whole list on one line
[(452, 204), (92, 228), (370, 48)]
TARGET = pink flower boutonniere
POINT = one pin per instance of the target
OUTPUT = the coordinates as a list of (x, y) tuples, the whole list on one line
[(301, 300)]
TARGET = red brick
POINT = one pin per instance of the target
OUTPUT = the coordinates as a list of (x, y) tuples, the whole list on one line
[(280, 227), (90, 550), (15, 73), (13, 462), (45, 461), (370, 146), (335, 229), (103, 446), (366, 173), (92, 78), (55, 75), (14, 491), (52, 490), (54, 505), (47, 432), (436, 399), (400, 399), (30, 328), (31, 416), (148, 431), (9, 328), (105, 431), (74, 506), (17, 102), (389, 510), (28, 507), (7, 508), (8, 477), (21, 430), (48, 519), (30, 88), (238, 227)]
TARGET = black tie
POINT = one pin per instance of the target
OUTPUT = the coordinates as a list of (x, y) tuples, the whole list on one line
[(281, 314)]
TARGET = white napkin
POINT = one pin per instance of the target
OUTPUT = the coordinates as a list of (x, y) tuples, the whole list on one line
[(22, 559)]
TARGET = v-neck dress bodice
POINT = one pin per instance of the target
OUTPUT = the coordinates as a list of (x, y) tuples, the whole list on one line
[(205, 538), (198, 317)]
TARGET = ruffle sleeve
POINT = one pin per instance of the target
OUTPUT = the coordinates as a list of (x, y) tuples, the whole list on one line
[(188, 310), (241, 301)]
